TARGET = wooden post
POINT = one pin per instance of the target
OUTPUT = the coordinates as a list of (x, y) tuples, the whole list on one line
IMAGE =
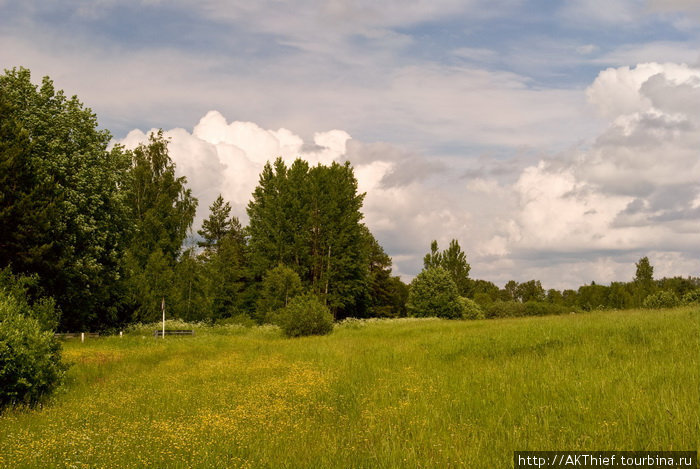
[(82, 337), (162, 305)]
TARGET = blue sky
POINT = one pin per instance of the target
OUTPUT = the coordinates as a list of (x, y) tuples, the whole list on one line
[(522, 128)]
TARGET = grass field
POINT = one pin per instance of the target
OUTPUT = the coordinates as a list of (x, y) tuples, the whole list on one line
[(382, 394)]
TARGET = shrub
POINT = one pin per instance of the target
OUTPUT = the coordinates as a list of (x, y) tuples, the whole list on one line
[(505, 309), (434, 293), (540, 308), (692, 297), (470, 309), (662, 299), (24, 290), (30, 357), (305, 315)]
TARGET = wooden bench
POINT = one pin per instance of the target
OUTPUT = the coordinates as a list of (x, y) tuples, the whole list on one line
[(159, 332), (76, 335)]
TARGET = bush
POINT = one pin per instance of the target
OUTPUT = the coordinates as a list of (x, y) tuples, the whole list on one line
[(434, 293), (25, 292), (505, 309), (662, 299), (470, 309), (692, 297), (30, 357), (305, 315)]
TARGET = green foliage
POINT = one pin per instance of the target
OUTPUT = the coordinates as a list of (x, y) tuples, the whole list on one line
[(26, 293), (433, 293), (554, 297), (593, 297), (386, 295), (692, 297), (305, 315), (309, 219), (227, 273), (470, 309), (30, 357), (483, 299), (510, 291), (661, 299), (504, 309), (279, 286), (190, 296), (161, 206), (62, 214), (530, 291), (454, 261), (643, 281), (510, 309), (218, 226), (162, 210), (479, 288)]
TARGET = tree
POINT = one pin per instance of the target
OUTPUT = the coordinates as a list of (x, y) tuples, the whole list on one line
[(510, 291), (643, 280), (279, 286), (530, 291), (434, 293), (309, 219), (433, 259), (593, 296), (454, 261), (62, 211), (162, 210), (217, 226), (382, 288)]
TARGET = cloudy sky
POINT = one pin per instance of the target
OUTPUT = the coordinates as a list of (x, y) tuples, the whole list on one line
[(556, 140)]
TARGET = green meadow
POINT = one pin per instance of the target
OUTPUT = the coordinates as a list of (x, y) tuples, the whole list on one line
[(410, 393)]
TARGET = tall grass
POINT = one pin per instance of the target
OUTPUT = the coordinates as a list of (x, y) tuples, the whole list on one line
[(393, 393)]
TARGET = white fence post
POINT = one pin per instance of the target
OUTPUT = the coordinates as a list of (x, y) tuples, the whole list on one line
[(82, 337)]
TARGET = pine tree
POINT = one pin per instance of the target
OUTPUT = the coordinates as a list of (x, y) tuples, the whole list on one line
[(217, 226)]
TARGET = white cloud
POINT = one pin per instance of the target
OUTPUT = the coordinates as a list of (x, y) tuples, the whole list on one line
[(585, 215), (226, 158)]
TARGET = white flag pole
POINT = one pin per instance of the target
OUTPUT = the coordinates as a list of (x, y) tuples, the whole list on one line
[(162, 306)]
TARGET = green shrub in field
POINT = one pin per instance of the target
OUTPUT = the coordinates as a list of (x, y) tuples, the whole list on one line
[(30, 357), (18, 287), (505, 309), (305, 315), (662, 299), (434, 293), (470, 309), (692, 297)]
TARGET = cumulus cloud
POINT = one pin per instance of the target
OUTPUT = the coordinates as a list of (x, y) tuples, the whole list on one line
[(634, 190), (584, 214), (218, 157)]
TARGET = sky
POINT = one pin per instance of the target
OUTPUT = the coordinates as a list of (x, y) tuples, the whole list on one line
[(556, 140)]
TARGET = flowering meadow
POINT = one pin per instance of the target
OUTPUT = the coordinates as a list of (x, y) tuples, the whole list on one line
[(407, 393)]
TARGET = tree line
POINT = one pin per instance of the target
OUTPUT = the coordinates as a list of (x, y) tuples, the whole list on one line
[(102, 232)]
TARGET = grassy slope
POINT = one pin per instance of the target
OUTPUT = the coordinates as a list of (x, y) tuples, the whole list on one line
[(425, 393)]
